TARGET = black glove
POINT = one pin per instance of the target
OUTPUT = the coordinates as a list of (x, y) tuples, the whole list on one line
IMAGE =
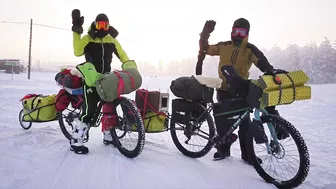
[(275, 72), (198, 69), (208, 28), (77, 21)]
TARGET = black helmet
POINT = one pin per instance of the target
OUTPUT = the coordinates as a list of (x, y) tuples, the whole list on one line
[(241, 23), (102, 17)]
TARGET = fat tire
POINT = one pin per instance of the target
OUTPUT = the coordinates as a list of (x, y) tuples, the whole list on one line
[(62, 126), (302, 148), (141, 131), (208, 146)]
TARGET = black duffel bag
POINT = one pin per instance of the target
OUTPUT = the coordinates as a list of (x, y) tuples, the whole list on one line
[(189, 88)]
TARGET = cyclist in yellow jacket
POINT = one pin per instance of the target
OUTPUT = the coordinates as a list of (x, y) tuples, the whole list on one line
[(240, 54), (98, 46)]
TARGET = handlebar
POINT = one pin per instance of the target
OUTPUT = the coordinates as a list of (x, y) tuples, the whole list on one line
[(239, 86)]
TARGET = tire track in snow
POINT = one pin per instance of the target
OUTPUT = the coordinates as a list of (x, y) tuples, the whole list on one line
[(13, 134), (56, 180)]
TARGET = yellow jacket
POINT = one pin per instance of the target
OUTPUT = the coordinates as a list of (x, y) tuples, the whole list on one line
[(240, 57)]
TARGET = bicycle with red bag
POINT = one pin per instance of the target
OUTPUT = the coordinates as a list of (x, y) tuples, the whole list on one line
[(119, 123)]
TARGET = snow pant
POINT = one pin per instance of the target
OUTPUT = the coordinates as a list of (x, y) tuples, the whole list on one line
[(225, 124), (91, 99)]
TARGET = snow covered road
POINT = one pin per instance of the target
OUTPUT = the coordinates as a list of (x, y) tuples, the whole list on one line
[(39, 158)]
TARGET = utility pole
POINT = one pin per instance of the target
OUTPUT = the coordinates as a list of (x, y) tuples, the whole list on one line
[(30, 44)]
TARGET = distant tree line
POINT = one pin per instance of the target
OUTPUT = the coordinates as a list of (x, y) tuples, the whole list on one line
[(318, 61)]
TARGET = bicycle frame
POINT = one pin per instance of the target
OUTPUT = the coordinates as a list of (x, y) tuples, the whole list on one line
[(256, 116), (95, 121), (242, 117)]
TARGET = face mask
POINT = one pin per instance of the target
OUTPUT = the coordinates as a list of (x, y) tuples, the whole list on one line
[(237, 40), (100, 33)]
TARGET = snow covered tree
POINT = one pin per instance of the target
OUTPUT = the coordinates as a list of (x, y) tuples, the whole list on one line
[(324, 65), (290, 59), (274, 56), (308, 55)]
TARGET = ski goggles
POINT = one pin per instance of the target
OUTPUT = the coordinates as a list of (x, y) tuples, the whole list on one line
[(239, 31), (102, 25)]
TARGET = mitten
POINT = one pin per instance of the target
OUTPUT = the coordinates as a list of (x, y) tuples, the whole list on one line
[(77, 21)]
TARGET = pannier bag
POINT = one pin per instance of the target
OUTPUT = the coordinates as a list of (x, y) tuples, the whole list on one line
[(155, 101), (265, 92), (63, 99), (184, 111), (227, 112), (109, 118), (110, 86), (189, 88), (154, 122), (39, 107), (152, 105)]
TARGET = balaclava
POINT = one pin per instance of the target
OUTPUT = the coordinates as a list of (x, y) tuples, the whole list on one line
[(240, 23)]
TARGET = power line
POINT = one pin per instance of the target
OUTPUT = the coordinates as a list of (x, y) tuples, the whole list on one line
[(10, 22), (48, 26), (54, 27), (37, 24)]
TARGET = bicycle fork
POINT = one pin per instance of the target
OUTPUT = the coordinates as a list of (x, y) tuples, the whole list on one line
[(271, 129)]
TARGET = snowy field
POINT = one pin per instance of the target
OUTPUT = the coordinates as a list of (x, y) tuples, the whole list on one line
[(39, 158)]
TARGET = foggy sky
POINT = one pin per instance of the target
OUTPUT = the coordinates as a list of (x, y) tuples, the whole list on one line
[(162, 30)]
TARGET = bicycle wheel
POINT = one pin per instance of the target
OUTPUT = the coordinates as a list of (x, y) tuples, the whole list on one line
[(65, 119), (131, 123), (23, 123), (119, 129), (191, 129), (279, 154)]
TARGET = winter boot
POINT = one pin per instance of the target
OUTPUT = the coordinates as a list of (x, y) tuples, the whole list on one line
[(78, 134), (107, 140), (224, 150)]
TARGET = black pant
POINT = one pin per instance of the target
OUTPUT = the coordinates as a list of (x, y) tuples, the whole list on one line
[(226, 124), (91, 99)]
